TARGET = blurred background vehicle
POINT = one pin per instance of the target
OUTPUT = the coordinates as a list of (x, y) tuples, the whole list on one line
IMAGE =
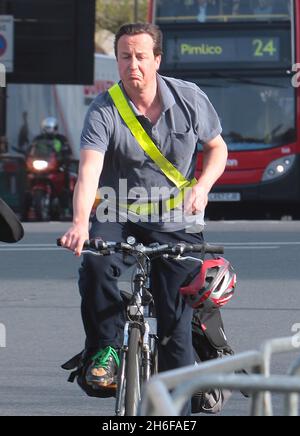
[(50, 181), (245, 55)]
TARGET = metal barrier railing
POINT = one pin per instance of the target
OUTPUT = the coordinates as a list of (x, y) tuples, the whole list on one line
[(276, 346), (166, 393)]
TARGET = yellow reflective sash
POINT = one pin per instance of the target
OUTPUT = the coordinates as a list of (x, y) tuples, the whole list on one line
[(151, 149)]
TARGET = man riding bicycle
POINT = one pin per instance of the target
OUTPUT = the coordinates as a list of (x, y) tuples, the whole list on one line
[(142, 133)]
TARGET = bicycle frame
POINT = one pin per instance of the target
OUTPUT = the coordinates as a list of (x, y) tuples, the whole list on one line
[(136, 317)]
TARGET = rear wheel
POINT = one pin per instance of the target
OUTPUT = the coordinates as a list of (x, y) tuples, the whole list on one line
[(133, 373)]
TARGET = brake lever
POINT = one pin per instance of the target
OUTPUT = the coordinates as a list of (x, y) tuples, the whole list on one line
[(93, 252), (180, 258)]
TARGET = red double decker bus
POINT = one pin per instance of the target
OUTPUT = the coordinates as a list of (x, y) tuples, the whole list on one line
[(244, 55)]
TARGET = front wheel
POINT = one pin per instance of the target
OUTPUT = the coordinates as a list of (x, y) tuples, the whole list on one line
[(41, 205), (133, 373)]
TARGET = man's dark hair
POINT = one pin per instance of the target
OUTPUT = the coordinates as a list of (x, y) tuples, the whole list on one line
[(138, 29)]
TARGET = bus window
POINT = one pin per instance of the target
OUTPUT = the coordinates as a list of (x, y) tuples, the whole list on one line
[(222, 10), (167, 10)]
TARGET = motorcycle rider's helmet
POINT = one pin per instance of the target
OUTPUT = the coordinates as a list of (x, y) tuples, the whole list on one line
[(49, 125), (213, 286)]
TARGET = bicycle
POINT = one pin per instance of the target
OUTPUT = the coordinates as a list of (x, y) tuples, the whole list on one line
[(138, 354)]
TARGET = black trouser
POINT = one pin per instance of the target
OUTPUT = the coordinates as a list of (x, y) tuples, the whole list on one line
[(102, 305)]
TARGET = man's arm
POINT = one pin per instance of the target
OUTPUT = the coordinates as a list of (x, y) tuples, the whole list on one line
[(90, 168), (215, 156)]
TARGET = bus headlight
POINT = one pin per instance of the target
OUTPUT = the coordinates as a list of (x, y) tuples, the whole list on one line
[(279, 168)]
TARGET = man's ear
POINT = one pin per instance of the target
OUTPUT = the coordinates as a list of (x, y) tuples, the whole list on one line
[(158, 62)]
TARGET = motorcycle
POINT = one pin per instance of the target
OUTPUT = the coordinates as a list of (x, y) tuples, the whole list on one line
[(50, 184)]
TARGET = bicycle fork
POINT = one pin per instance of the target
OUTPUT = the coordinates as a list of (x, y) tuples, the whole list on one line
[(122, 374), (146, 363)]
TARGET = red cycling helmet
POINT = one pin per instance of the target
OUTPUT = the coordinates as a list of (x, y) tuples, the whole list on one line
[(214, 285)]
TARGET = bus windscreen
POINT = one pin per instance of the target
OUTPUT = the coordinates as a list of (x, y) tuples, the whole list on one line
[(256, 113)]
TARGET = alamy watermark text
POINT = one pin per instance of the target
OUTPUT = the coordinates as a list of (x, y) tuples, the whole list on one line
[(2, 336)]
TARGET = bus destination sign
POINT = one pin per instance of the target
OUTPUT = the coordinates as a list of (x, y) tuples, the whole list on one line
[(223, 50)]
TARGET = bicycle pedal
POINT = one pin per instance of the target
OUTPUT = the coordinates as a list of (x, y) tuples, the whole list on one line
[(109, 389), (104, 392)]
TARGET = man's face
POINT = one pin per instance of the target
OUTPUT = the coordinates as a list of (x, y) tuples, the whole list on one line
[(136, 61)]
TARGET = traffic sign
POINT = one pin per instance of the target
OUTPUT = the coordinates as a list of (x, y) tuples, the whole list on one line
[(7, 42), (3, 45)]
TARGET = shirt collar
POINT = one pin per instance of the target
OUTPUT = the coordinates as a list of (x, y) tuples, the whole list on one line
[(166, 95), (167, 98)]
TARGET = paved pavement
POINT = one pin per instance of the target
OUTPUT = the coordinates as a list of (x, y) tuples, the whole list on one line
[(40, 324)]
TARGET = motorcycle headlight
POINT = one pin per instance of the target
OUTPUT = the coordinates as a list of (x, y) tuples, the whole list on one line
[(40, 165), (279, 168)]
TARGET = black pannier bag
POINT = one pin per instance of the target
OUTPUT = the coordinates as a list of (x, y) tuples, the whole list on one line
[(209, 343)]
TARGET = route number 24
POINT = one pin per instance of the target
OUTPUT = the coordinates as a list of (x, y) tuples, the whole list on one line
[(261, 48)]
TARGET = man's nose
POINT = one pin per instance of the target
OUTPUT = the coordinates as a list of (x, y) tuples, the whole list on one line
[(133, 63)]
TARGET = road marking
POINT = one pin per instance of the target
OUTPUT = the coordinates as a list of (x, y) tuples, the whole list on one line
[(31, 245), (228, 245), (253, 247), (29, 249), (257, 245), (21, 250), (261, 243)]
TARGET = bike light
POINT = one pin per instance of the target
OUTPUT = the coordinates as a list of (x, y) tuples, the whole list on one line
[(279, 168), (131, 240), (40, 165)]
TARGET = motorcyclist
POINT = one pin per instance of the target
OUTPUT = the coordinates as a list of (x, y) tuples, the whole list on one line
[(59, 144)]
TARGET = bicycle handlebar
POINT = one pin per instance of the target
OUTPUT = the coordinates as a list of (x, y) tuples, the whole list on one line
[(106, 248)]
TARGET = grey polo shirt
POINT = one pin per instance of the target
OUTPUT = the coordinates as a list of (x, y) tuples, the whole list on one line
[(187, 118)]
